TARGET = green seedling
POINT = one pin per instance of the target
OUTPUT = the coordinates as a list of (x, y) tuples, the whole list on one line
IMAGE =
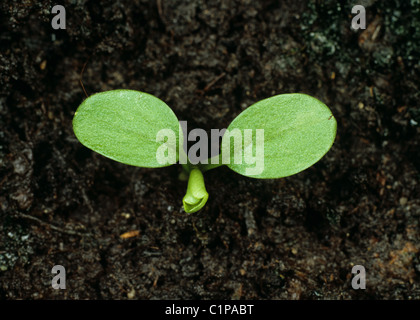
[(293, 131)]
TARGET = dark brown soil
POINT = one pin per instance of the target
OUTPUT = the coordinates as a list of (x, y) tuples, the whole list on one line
[(292, 238)]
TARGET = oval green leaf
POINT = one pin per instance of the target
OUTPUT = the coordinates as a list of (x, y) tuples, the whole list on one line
[(298, 131), (123, 125)]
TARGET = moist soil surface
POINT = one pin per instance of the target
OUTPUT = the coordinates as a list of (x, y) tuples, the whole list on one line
[(292, 238)]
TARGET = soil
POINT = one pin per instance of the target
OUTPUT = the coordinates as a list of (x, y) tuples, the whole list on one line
[(291, 238)]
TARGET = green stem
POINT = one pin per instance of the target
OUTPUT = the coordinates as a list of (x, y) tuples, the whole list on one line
[(196, 196), (211, 165)]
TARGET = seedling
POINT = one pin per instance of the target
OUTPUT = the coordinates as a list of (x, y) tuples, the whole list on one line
[(293, 131)]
